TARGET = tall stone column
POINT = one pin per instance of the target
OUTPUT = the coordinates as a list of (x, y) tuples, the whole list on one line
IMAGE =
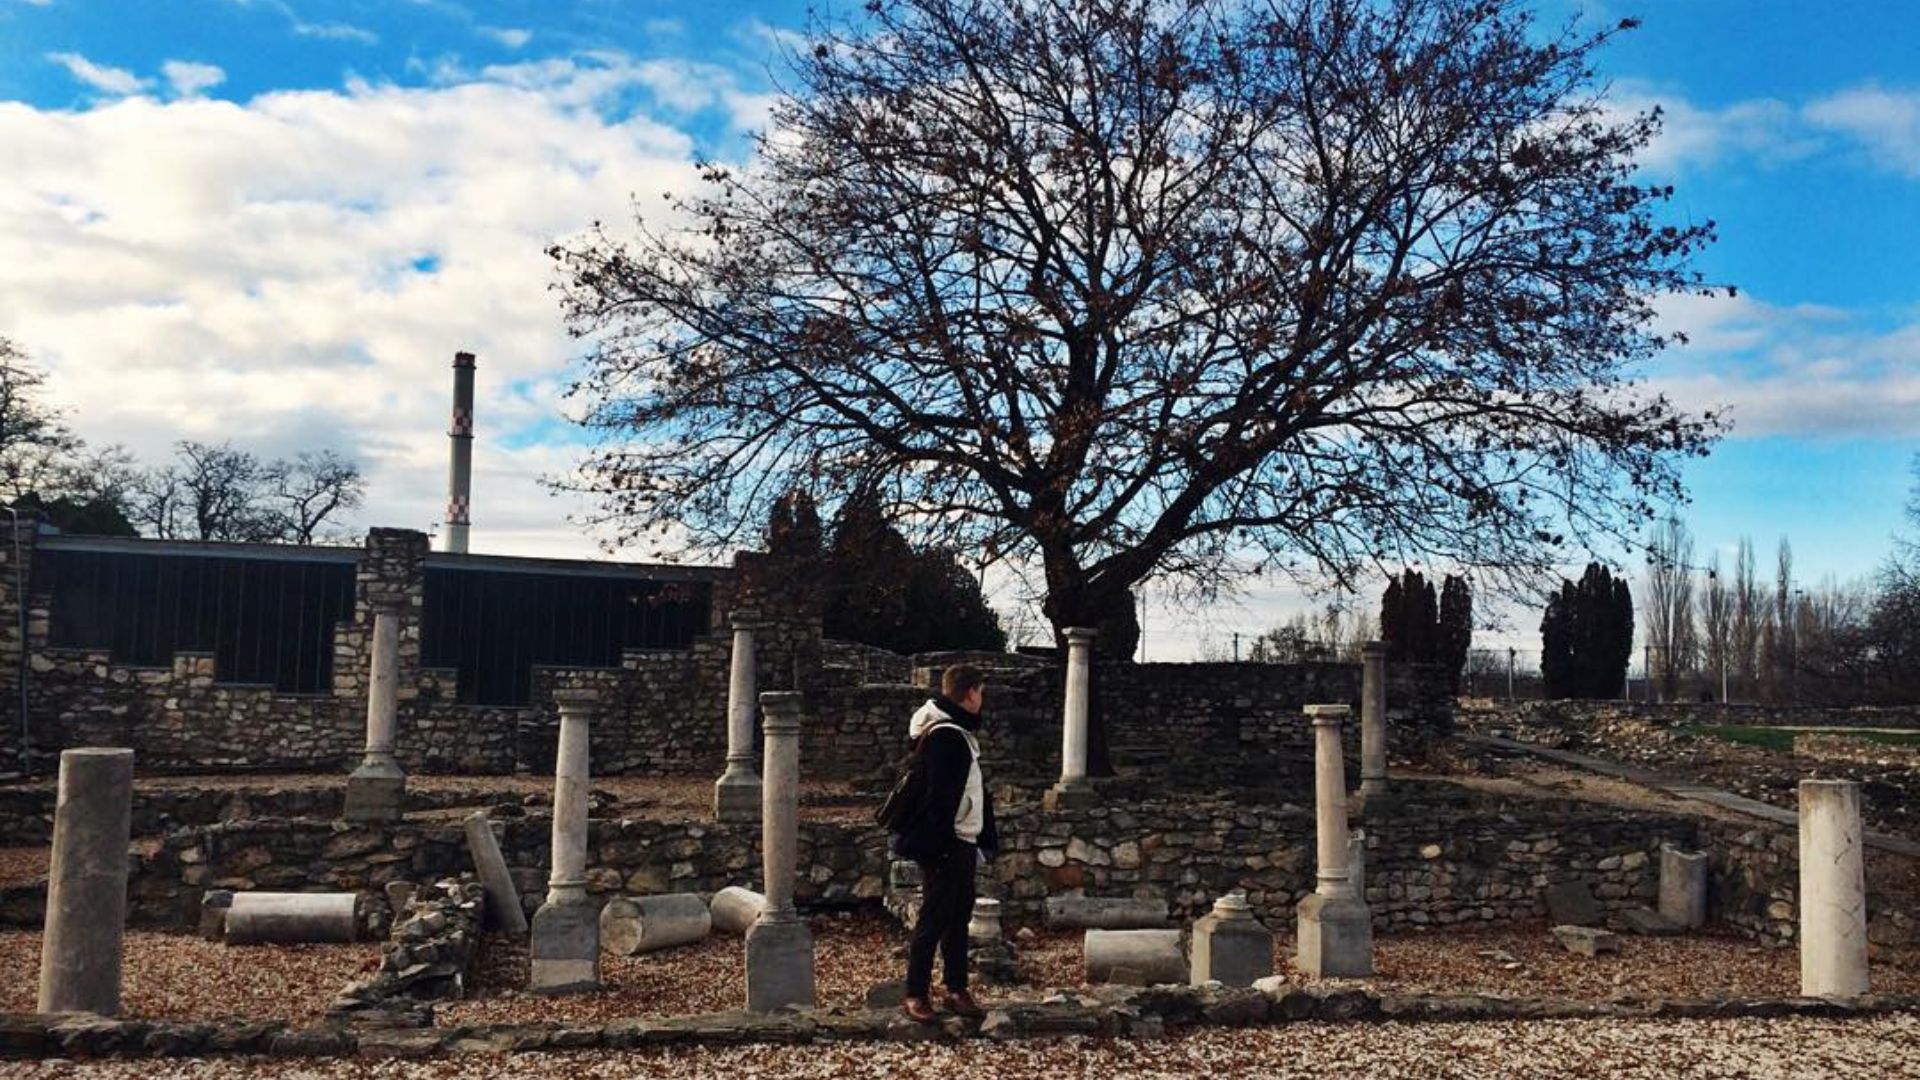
[(736, 795), (1373, 718), (1074, 789), (377, 790), (566, 930), (87, 883), (1335, 927), (1833, 890), (779, 945)]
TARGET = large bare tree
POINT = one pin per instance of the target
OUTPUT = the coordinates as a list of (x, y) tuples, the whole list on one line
[(1128, 289)]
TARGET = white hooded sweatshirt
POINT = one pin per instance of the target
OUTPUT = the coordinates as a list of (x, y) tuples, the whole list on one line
[(971, 818)]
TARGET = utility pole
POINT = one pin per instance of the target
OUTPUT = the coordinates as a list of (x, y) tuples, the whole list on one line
[(1510, 655), (1236, 646)]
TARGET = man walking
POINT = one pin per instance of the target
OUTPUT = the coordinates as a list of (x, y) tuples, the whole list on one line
[(950, 839)]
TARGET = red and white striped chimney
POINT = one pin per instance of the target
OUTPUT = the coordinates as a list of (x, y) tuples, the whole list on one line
[(460, 474)]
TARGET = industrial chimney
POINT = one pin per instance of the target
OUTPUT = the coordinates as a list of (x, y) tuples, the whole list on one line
[(460, 475)]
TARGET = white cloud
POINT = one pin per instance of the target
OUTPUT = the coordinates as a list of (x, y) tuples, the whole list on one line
[(107, 80), (1803, 370), (336, 31), (1885, 122), (297, 271), (1769, 132), (511, 37), (188, 78)]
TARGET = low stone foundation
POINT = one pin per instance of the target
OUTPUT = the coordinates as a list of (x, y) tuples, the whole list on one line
[(1114, 1011)]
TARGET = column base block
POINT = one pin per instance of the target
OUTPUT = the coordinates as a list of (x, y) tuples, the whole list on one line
[(375, 793), (737, 799), (1237, 952), (1335, 939), (779, 966), (1074, 795), (565, 949)]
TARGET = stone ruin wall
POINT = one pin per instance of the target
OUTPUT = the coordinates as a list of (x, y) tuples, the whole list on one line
[(1191, 725), (1441, 856), (1755, 884)]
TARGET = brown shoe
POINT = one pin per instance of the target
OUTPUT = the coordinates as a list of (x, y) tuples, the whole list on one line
[(962, 1004), (918, 1010)]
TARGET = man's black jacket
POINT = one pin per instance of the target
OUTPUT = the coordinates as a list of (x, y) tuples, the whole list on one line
[(948, 760)]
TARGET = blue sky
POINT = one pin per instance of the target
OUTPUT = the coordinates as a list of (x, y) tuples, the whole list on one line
[(275, 220)]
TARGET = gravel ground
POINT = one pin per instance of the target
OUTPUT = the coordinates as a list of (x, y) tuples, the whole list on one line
[(1632, 1050), (177, 977), (183, 977), (854, 953)]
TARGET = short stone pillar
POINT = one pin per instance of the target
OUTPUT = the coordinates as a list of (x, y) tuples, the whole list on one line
[(1335, 928), (377, 790), (1074, 789), (1230, 945), (989, 953), (1833, 890), (1683, 887), (566, 930), (779, 945), (1373, 718), (985, 927), (736, 795), (87, 883)]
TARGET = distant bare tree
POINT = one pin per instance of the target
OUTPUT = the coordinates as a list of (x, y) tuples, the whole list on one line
[(1671, 637), (1749, 618), (218, 492), (312, 490), (1783, 645), (35, 443), (1716, 620)]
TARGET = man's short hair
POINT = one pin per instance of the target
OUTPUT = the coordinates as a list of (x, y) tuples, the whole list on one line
[(958, 680)]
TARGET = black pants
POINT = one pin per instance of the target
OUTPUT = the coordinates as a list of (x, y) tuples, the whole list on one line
[(946, 907)]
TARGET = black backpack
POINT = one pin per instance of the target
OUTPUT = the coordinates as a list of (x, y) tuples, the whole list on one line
[(909, 795)]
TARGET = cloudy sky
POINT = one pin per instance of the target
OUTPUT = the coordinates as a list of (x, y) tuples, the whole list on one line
[(274, 221)]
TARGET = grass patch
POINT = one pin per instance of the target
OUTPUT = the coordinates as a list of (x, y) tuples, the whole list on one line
[(1780, 740), (1766, 738)]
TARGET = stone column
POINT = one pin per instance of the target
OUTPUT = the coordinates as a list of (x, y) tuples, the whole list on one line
[(87, 883), (1335, 927), (566, 929), (1074, 789), (1373, 718), (1833, 890), (779, 945), (736, 795), (503, 909), (377, 790)]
